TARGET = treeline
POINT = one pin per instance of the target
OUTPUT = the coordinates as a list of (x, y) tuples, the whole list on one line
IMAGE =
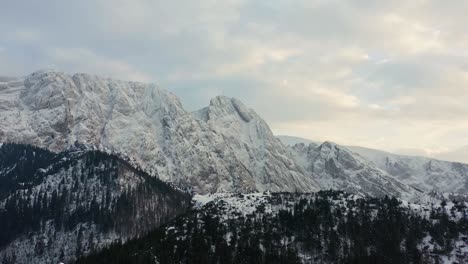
[(320, 230)]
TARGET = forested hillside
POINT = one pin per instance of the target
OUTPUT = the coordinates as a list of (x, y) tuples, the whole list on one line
[(56, 207), (326, 227)]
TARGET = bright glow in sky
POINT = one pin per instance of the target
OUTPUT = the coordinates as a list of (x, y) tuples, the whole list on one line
[(385, 74)]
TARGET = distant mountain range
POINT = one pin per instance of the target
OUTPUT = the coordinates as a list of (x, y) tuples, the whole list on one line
[(426, 174), (455, 155)]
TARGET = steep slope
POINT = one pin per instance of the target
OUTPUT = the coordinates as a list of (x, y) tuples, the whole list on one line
[(324, 227), (223, 147), (58, 206), (335, 167), (427, 174), (255, 146), (424, 173), (55, 110)]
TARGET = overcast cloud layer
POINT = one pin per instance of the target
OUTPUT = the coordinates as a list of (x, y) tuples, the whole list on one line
[(383, 74)]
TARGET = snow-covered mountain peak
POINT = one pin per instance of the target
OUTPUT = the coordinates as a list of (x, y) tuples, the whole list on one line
[(325, 150), (44, 71), (329, 145), (84, 84), (424, 173), (329, 148), (336, 167), (225, 107), (232, 118), (226, 147), (332, 151), (254, 144), (47, 90)]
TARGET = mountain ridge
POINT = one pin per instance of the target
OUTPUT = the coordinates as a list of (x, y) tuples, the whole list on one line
[(224, 147), (293, 140), (422, 173), (54, 110)]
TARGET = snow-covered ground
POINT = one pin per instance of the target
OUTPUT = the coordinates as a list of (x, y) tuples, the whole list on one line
[(230, 206)]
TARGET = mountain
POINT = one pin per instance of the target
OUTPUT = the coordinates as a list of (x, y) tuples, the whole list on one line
[(255, 146), (55, 207), (86, 162), (336, 167), (224, 147), (323, 227), (142, 121), (424, 173)]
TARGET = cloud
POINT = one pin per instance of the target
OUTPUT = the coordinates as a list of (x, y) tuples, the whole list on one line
[(84, 60), (386, 74)]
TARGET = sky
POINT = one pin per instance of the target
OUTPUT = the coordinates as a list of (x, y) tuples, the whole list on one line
[(391, 75)]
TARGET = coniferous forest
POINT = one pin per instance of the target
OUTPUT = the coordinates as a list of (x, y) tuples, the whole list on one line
[(326, 227), (57, 207)]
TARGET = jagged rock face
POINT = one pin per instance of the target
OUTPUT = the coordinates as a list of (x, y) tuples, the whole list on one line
[(54, 110), (223, 147), (424, 173), (57, 207), (255, 146), (335, 167)]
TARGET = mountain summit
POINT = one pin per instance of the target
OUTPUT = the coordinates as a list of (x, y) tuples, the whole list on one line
[(224, 147)]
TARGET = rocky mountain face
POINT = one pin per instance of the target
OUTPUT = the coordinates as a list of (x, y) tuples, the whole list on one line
[(223, 147), (199, 151), (255, 146), (335, 167), (421, 173), (55, 207), (427, 174)]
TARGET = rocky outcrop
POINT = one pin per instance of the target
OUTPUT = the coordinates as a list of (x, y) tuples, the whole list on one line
[(335, 167)]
